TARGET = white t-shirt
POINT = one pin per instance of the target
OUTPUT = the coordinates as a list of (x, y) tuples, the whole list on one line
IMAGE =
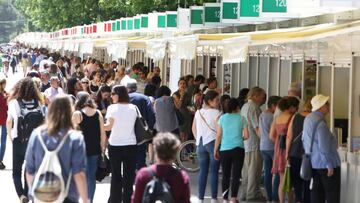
[(122, 132), (207, 133), (50, 93), (14, 113)]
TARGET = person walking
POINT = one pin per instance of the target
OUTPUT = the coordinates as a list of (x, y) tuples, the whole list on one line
[(271, 182), (24, 99), (278, 134), (166, 146), (121, 117), (72, 154), (229, 148), (325, 160), (251, 173), (91, 123), (144, 105), (204, 130), (3, 117)]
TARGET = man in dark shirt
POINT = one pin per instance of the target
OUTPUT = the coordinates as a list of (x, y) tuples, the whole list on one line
[(45, 80), (147, 112)]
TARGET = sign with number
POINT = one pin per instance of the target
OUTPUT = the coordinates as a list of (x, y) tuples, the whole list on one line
[(212, 13), (144, 21), (274, 6), (123, 24), (230, 11), (161, 23), (171, 19), (249, 8), (196, 16), (130, 24)]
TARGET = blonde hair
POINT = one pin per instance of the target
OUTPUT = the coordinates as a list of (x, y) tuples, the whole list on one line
[(307, 105)]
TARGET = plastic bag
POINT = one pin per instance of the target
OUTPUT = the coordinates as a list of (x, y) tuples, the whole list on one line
[(287, 184)]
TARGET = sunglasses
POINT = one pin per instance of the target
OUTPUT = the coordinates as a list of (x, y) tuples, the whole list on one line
[(85, 83)]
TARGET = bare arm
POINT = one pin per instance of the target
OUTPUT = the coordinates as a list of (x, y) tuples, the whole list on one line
[(245, 133), (81, 185), (217, 142), (9, 123), (289, 137), (103, 133), (76, 117), (194, 131), (272, 134), (109, 124), (29, 179)]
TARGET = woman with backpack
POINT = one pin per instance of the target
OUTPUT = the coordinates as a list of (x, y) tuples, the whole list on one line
[(204, 129), (120, 120), (229, 148), (58, 135), (91, 123), (294, 153), (278, 134), (177, 187), (24, 115)]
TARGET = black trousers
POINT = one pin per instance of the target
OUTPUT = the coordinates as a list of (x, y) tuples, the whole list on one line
[(19, 150), (123, 166), (326, 188), (301, 187), (231, 162)]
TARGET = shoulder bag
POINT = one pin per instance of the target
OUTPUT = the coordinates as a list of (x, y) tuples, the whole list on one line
[(142, 131)]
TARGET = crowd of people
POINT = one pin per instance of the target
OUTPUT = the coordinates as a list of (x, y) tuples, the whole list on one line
[(93, 107)]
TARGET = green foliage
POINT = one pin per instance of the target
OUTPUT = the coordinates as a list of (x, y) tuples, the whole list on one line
[(51, 15), (10, 24)]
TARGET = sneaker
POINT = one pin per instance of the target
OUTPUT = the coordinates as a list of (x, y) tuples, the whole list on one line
[(23, 199), (2, 166)]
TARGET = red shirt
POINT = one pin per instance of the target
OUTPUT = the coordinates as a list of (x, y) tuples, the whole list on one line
[(178, 181), (3, 109)]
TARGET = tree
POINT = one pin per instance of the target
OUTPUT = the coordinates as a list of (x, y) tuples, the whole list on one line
[(52, 15)]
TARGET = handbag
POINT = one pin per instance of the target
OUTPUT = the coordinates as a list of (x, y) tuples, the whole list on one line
[(103, 167), (306, 168), (287, 184), (142, 131)]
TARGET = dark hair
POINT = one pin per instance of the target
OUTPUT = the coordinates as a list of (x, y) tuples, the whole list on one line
[(243, 96), (232, 105), (273, 100), (122, 92), (84, 100), (287, 102), (224, 99), (150, 90), (59, 115), (200, 78), (211, 80), (156, 80), (71, 85), (188, 78), (182, 79), (163, 91), (27, 90), (103, 88), (210, 95), (166, 146)]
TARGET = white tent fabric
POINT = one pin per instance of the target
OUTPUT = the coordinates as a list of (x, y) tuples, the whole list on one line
[(184, 47), (117, 49), (235, 50), (86, 48), (156, 49)]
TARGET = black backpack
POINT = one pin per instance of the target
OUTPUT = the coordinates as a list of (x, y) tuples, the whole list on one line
[(157, 190), (29, 119)]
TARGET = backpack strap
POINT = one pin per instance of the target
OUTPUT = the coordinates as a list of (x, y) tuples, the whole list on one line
[(60, 144), (63, 141), (313, 135)]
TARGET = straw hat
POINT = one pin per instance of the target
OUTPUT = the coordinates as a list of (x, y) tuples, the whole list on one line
[(318, 101)]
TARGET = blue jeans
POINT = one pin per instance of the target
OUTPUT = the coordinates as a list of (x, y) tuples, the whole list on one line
[(3, 142), (91, 167), (206, 158), (270, 186)]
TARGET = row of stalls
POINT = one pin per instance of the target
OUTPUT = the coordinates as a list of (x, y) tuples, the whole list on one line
[(321, 59)]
